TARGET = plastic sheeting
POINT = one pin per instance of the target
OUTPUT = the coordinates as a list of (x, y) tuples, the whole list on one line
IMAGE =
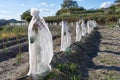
[(40, 46), (78, 32), (65, 36), (88, 27), (84, 29), (94, 23)]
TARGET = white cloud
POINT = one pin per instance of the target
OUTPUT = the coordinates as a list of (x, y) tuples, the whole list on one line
[(80, 0), (43, 4), (106, 4), (46, 12), (3, 12)]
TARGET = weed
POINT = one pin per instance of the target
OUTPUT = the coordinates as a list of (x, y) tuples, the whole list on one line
[(109, 78), (4, 50), (50, 76), (18, 58), (8, 32), (72, 67), (60, 66), (75, 78)]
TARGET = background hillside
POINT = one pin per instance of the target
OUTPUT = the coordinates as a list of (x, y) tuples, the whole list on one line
[(102, 16), (5, 22)]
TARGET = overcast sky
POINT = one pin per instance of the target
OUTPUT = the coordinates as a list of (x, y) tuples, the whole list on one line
[(14, 8)]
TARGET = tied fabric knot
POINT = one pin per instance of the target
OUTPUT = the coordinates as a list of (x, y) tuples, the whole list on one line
[(35, 27)]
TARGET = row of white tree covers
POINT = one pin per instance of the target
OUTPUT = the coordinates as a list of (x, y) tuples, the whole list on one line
[(82, 29), (41, 43)]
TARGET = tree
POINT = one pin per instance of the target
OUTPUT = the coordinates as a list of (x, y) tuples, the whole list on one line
[(69, 4), (62, 11), (77, 9), (117, 1), (26, 16)]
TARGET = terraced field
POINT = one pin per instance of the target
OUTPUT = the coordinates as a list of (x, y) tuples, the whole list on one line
[(107, 62), (95, 57)]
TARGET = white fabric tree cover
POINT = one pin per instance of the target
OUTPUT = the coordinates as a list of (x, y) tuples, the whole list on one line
[(84, 29), (78, 32), (40, 46), (94, 24), (119, 21), (91, 25), (88, 27), (65, 36)]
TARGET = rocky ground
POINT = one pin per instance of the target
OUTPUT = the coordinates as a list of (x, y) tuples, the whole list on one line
[(107, 62), (12, 69), (96, 57)]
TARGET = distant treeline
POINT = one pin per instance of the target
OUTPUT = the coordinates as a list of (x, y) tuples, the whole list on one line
[(102, 16), (72, 14)]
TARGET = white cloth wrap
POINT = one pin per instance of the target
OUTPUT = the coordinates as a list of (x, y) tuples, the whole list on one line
[(41, 50)]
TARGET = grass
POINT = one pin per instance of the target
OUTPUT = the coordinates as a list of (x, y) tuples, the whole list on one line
[(50, 75), (8, 32), (75, 78), (106, 60), (18, 58), (111, 25), (70, 69), (7, 35), (110, 78), (4, 50)]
